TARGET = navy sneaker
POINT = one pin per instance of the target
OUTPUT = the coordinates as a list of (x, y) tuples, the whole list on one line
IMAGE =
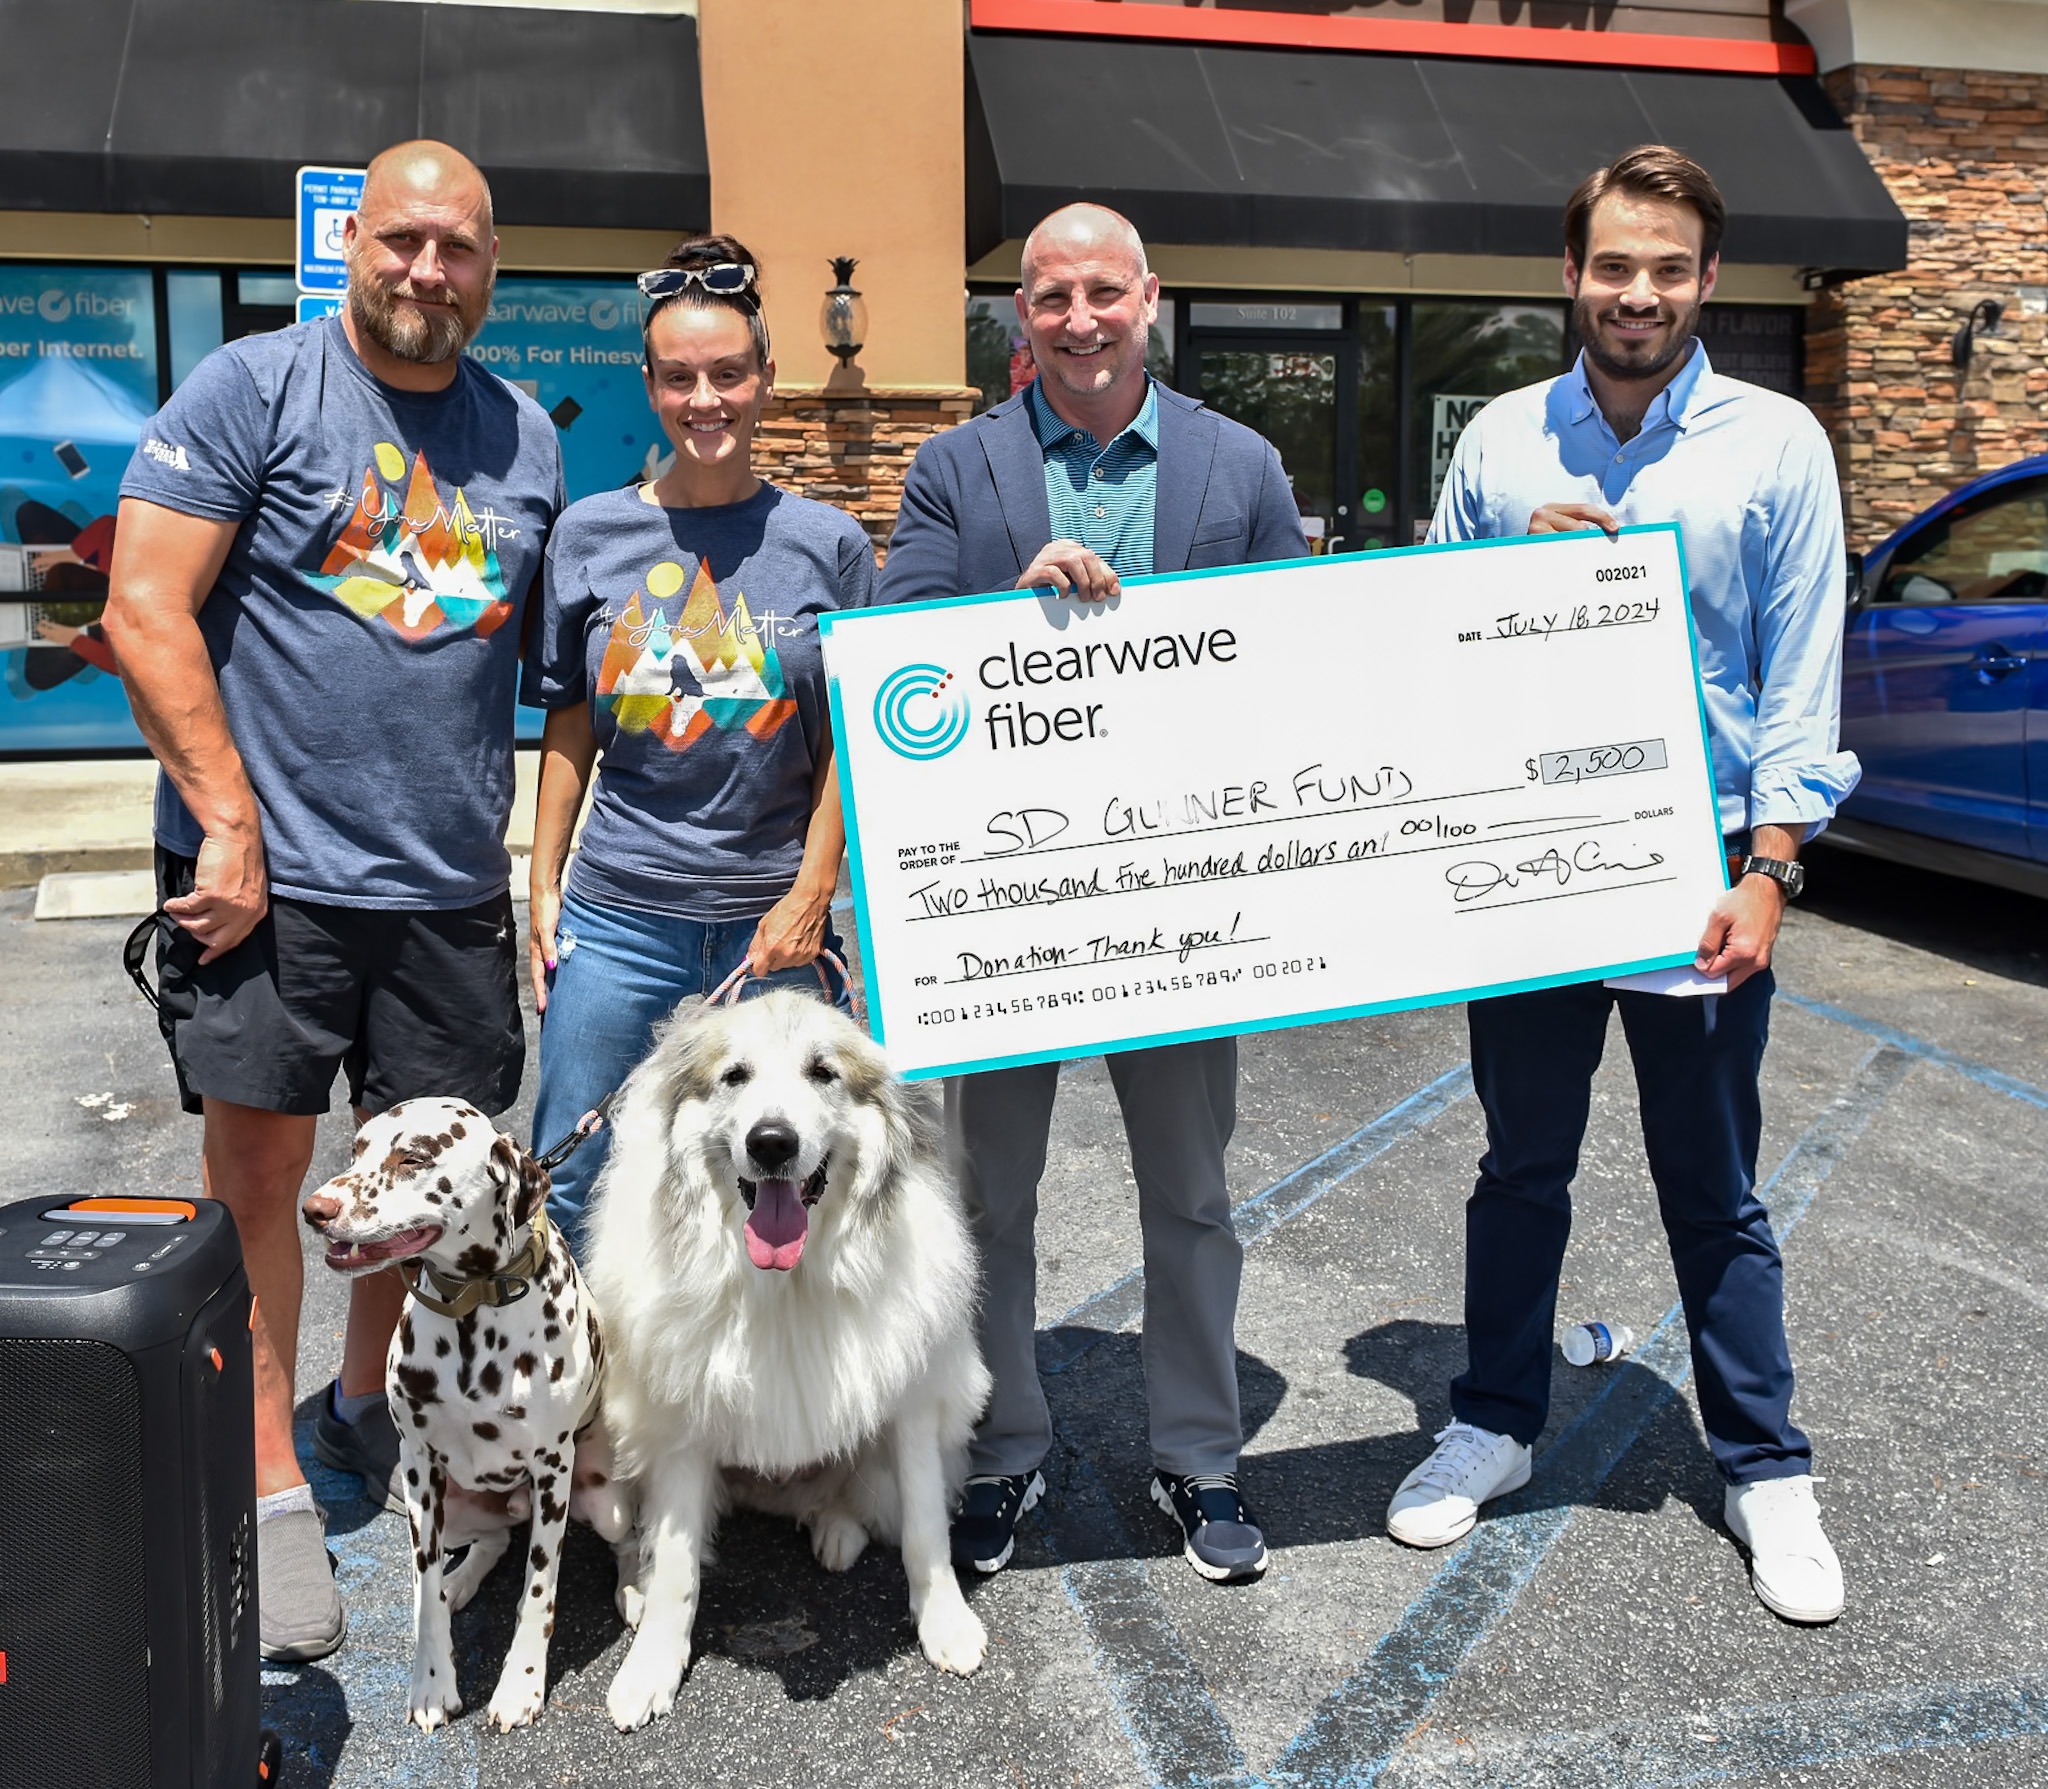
[(368, 1447), (1223, 1538), (985, 1530)]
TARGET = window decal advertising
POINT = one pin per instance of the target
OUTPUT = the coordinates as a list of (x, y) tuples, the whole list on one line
[(573, 346), (78, 379)]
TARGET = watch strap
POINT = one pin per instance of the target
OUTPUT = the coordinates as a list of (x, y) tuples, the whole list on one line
[(1791, 877)]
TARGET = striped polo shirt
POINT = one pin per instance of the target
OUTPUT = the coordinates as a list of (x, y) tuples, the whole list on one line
[(1102, 496)]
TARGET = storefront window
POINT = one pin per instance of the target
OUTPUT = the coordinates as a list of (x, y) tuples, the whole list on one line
[(192, 303), (1374, 512), (78, 379), (1465, 353), (999, 358), (1289, 395), (573, 346)]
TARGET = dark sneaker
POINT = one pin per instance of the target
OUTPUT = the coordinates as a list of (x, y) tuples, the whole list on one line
[(985, 1530), (298, 1611), (1223, 1538), (367, 1447)]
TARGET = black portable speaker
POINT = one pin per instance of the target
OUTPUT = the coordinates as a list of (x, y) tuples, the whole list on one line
[(128, 1636)]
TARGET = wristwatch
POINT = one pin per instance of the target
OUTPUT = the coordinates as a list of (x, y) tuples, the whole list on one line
[(1791, 877)]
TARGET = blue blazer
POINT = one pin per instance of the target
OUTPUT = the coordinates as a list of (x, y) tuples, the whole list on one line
[(974, 512)]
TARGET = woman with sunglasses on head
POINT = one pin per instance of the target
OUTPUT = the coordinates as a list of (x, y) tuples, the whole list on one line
[(678, 636)]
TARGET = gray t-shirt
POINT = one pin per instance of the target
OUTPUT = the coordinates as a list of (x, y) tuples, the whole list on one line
[(365, 628), (693, 636)]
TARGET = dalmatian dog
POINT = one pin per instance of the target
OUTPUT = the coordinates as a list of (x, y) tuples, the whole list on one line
[(494, 1379)]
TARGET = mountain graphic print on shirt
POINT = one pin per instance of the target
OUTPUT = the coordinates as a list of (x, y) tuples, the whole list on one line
[(419, 563), (690, 638), (678, 679)]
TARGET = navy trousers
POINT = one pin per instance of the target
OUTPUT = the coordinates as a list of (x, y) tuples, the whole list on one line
[(1696, 1063)]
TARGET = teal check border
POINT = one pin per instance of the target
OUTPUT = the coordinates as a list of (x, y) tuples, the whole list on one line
[(832, 621)]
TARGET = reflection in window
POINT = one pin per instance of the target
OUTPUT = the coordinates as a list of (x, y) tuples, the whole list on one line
[(275, 290), (195, 319), (1290, 397), (1465, 353), (1995, 550), (1372, 520)]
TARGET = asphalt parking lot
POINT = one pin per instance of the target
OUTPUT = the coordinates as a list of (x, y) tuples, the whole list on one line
[(1597, 1629)]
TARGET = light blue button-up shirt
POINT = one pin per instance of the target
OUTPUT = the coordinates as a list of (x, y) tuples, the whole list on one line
[(1749, 478), (1102, 495)]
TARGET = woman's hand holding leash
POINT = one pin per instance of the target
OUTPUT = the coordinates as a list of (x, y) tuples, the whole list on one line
[(544, 913), (791, 932)]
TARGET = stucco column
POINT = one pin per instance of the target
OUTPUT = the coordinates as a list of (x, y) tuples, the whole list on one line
[(838, 130)]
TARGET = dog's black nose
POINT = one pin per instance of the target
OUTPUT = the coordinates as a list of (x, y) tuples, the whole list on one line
[(772, 1143)]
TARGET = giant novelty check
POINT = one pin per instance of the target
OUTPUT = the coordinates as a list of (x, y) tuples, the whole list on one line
[(1236, 800)]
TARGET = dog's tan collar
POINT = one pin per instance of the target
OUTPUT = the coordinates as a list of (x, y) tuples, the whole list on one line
[(458, 1297)]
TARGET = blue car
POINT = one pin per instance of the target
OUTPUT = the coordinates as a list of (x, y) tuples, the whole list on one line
[(1945, 686)]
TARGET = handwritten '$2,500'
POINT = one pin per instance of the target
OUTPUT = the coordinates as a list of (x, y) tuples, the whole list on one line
[(1238, 800)]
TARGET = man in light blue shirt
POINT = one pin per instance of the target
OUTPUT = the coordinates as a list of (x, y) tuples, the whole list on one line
[(1642, 429)]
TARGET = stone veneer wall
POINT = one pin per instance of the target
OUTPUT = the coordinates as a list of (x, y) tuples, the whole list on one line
[(852, 447), (1965, 154)]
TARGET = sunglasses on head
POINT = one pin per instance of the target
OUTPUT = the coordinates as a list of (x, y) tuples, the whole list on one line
[(726, 278)]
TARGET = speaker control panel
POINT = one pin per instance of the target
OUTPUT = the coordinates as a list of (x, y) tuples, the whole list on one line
[(91, 1250)]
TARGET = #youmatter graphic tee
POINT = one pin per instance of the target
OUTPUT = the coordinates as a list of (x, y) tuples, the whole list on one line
[(365, 626), (693, 636)]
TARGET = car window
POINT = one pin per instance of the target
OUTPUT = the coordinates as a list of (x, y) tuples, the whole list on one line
[(1992, 550)]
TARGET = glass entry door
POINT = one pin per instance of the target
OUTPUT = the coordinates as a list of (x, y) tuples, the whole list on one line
[(1296, 390)]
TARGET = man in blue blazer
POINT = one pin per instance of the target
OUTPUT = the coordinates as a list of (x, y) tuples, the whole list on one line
[(1092, 474)]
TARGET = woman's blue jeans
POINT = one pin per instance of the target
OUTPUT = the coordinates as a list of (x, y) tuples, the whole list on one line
[(618, 973)]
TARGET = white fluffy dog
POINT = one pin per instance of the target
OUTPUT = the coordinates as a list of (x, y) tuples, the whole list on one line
[(788, 1288)]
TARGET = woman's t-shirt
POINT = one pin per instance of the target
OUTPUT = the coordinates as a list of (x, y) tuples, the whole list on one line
[(693, 636)]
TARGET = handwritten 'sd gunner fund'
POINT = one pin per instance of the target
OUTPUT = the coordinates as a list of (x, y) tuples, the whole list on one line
[(1236, 800)]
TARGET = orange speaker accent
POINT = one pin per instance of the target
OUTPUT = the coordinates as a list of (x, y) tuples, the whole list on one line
[(183, 1207)]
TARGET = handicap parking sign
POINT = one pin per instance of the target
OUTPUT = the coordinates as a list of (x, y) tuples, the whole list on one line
[(327, 198), (314, 305)]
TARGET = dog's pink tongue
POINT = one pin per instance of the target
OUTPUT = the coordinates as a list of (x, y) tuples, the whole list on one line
[(777, 1225)]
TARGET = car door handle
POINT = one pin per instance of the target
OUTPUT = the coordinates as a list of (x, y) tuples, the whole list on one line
[(1993, 662)]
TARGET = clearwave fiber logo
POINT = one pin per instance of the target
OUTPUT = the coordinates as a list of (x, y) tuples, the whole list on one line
[(919, 713)]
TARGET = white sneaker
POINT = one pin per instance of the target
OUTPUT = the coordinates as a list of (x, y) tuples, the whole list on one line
[(1440, 1499), (1792, 1567)]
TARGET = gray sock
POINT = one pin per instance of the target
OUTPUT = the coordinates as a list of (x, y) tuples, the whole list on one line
[(351, 1410), (282, 1503)]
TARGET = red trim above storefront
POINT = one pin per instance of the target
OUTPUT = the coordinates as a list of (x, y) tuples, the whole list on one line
[(1396, 37)]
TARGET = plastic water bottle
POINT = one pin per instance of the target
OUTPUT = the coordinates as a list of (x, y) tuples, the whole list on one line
[(1595, 1344)]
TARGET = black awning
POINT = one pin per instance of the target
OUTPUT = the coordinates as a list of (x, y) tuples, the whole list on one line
[(1417, 155), (207, 107)]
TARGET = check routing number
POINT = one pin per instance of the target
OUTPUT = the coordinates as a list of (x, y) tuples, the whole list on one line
[(1242, 799)]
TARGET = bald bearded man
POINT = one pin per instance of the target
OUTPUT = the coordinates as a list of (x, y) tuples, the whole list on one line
[(324, 543), (1092, 474)]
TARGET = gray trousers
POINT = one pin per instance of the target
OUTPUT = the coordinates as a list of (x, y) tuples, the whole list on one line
[(1179, 1105)]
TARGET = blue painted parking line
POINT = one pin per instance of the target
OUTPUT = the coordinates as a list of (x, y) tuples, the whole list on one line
[(1980, 1072), (1176, 1732), (354, 1703), (1068, 1338), (1364, 1725), (1745, 1744)]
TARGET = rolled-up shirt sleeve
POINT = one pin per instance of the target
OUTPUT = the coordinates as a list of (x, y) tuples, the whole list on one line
[(1798, 773)]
